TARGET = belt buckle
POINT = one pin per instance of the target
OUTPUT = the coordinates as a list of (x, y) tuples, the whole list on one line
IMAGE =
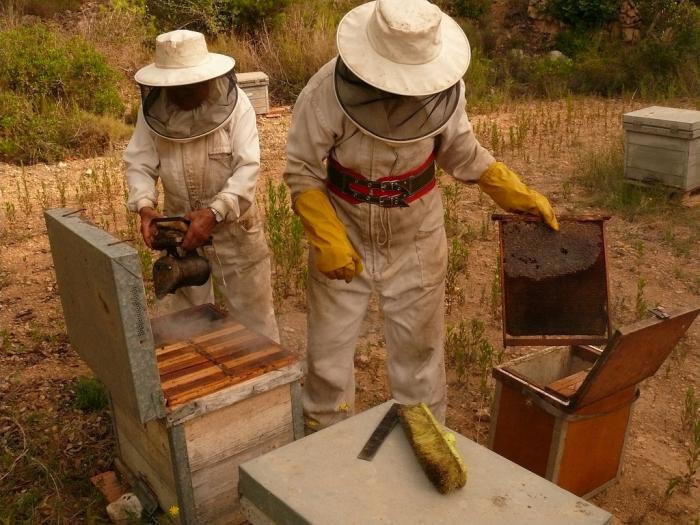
[(393, 201)]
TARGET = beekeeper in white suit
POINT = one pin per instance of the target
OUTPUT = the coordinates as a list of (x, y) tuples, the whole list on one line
[(367, 132), (196, 132)]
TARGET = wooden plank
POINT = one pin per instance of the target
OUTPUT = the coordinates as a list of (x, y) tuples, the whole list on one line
[(235, 393), (671, 144), (193, 394), (593, 449), (145, 450), (523, 431), (216, 488), (566, 387), (227, 432), (662, 161), (245, 368), (213, 361)]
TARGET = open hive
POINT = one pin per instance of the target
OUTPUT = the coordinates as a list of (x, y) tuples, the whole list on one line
[(563, 412), (192, 394), (228, 355)]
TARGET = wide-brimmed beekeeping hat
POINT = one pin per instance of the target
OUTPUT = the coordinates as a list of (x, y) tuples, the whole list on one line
[(406, 47), (182, 58)]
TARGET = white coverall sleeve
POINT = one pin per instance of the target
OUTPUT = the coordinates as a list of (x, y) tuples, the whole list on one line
[(141, 159), (238, 192), (459, 152), (308, 145)]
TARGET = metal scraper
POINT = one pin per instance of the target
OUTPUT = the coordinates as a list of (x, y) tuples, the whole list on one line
[(380, 433)]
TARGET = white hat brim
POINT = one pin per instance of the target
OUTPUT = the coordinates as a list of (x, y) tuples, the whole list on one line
[(402, 79), (215, 66)]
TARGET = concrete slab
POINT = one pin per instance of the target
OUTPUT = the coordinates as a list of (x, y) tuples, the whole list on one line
[(319, 480)]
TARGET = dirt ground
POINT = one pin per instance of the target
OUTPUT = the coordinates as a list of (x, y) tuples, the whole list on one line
[(49, 448)]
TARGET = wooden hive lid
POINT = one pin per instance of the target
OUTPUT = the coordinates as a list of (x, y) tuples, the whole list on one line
[(211, 360), (104, 305), (633, 354), (554, 285)]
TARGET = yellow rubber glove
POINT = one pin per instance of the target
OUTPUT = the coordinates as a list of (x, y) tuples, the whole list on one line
[(508, 191), (335, 256)]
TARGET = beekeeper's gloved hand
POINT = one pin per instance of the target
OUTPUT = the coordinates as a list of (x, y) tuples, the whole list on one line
[(508, 191), (335, 256)]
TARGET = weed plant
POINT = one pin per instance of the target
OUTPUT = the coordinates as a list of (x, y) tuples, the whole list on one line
[(692, 460), (457, 264), (285, 235), (90, 395), (640, 302), (465, 345)]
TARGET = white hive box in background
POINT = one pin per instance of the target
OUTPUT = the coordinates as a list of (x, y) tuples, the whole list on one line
[(254, 84), (662, 145)]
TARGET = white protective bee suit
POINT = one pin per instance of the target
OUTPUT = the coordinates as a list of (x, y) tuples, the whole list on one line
[(217, 169), (404, 251), (391, 104)]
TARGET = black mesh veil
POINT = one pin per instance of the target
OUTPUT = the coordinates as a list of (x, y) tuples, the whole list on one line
[(391, 117), (171, 122)]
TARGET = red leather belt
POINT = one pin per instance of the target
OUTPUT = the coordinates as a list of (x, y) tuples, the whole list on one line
[(388, 192)]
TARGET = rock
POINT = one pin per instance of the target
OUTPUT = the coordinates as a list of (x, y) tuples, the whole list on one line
[(363, 359), (557, 55), (29, 20), (483, 414), (126, 509), (631, 34)]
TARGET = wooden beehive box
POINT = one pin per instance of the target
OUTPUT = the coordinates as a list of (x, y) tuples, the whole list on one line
[(662, 145), (255, 85), (193, 394), (562, 412)]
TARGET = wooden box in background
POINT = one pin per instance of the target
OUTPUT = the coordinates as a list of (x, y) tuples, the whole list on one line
[(255, 85), (193, 394), (662, 146)]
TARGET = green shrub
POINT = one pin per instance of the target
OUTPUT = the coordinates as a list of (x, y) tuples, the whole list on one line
[(41, 63), (90, 395), (574, 41), (59, 97), (45, 8), (471, 8), (587, 13), (48, 131), (291, 50), (213, 16)]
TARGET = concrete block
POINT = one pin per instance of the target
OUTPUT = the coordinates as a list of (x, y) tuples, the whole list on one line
[(319, 480)]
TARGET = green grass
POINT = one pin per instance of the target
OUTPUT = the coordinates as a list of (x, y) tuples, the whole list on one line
[(90, 395), (602, 175)]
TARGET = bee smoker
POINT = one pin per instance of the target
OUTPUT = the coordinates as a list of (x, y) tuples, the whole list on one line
[(177, 268)]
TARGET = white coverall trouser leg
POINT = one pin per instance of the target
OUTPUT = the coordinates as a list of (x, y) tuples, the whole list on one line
[(410, 280)]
